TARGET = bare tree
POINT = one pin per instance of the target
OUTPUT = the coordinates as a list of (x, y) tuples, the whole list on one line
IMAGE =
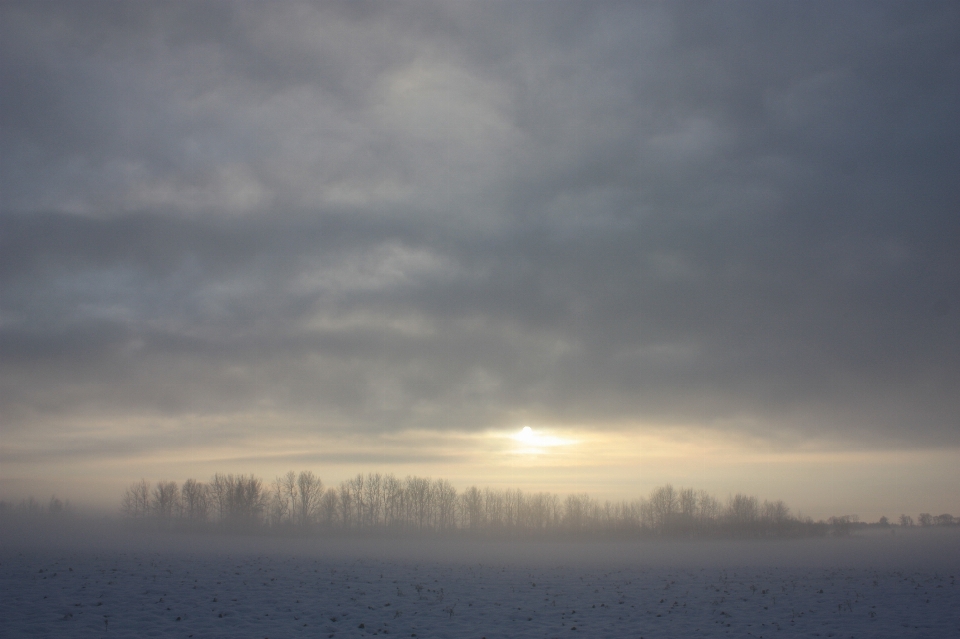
[(446, 498), (575, 512), (687, 502), (240, 499), (195, 500), (626, 517), (841, 525), (393, 502), (57, 506), (775, 515), (281, 498), (136, 500), (328, 508), (166, 500), (345, 504), (515, 510), (662, 505), (906, 520), (307, 499), (249, 500), (356, 489), (685, 517), (373, 499), (605, 516), (493, 509), (542, 508), (219, 492), (419, 493), (743, 512), (708, 509), (473, 508)]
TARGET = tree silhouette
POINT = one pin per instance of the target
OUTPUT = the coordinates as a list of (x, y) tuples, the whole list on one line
[(419, 493), (742, 513), (136, 500), (419, 505), (165, 501), (194, 498), (662, 506), (306, 499)]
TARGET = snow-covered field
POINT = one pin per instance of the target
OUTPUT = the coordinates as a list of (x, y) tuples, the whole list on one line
[(179, 586)]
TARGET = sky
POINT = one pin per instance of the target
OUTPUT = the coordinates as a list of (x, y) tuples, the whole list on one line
[(709, 244)]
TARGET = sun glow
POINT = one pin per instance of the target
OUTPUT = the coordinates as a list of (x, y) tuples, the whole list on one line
[(532, 442)]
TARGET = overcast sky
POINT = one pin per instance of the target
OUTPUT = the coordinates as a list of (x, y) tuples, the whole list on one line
[(344, 233)]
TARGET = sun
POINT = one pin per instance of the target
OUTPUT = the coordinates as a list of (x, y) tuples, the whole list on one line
[(533, 442)]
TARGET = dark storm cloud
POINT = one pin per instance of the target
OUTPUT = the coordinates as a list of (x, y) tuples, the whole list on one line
[(422, 215)]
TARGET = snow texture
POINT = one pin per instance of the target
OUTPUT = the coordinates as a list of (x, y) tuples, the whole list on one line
[(259, 589)]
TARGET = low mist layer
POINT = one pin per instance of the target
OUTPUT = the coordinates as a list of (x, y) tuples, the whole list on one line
[(379, 505)]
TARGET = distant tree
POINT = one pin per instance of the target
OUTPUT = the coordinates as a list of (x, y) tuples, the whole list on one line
[(345, 504), (602, 516), (374, 502), (708, 509), (307, 498), (842, 526), (493, 506), (373, 499), (240, 499), (281, 498), (945, 519), (775, 516), (446, 503), (687, 504), (194, 498), (356, 490), (627, 517), (29, 506), (925, 519), (249, 500), (136, 500), (165, 501), (906, 520), (472, 506), (575, 512), (289, 486), (220, 493), (884, 522), (56, 506), (419, 495), (393, 502), (540, 511), (662, 506), (328, 508), (742, 513), (515, 510)]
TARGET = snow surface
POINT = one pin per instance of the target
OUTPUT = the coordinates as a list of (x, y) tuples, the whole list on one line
[(180, 586)]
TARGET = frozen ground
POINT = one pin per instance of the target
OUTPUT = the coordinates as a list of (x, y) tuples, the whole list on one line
[(178, 586)]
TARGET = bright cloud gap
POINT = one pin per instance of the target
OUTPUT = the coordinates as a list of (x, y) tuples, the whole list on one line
[(535, 442)]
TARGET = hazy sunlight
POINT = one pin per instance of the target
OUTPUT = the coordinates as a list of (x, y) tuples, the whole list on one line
[(532, 442)]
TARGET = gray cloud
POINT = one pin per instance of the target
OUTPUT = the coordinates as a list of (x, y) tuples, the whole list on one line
[(389, 216)]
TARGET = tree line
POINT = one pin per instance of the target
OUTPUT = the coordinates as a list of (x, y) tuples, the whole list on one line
[(32, 507), (383, 503)]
